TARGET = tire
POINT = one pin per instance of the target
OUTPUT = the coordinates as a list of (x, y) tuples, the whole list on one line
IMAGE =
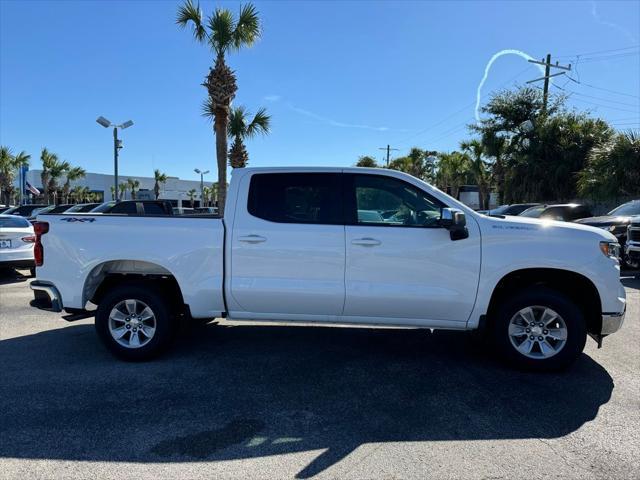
[(512, 330), (158, 330)]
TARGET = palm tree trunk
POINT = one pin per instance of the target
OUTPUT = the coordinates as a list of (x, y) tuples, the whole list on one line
[(220, 127)]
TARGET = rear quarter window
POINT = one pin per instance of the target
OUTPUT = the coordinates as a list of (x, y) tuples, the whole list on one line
[(14, 222)]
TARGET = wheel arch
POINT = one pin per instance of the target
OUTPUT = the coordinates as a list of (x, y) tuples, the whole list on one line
[(580, 289), (108, 274)]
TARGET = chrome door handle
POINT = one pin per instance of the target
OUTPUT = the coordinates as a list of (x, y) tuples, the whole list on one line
[(252, 239), (366, 242)]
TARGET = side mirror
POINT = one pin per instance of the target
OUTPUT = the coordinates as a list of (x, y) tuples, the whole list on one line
[(455, 221)]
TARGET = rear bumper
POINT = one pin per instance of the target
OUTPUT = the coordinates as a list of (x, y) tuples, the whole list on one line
[(46, 297)]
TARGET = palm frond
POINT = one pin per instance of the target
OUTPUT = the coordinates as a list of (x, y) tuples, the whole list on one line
[(208, 109), (247, 29), (260, 124), (237, 125), (222, 26), (191, 13), (21, 159)]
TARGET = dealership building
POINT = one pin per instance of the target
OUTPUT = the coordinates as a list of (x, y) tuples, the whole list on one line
[(174, 189)]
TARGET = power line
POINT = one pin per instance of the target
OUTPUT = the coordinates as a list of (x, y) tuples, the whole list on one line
[(605, 106), (547, 75), (610, 57), (599, 51), (597, 98), (431, 127), (601, 88)]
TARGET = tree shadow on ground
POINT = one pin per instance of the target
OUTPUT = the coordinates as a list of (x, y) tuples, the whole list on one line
[(236, 392)]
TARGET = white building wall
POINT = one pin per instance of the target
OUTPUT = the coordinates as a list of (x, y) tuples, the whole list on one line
[(173, 189)]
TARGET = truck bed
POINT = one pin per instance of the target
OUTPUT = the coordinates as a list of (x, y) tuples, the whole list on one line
[(79, 250)]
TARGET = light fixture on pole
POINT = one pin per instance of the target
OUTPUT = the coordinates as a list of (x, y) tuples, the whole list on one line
[(202, 174), (117, 145)]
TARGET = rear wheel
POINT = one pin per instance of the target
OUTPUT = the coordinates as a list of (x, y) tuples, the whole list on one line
[(539, 329), (134, 322)]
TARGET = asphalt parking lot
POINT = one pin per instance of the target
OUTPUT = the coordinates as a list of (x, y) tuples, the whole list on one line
[(243, 402)]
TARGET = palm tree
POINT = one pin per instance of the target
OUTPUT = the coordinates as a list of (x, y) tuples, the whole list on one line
[(72, 174), (239, 129), (49, 161), (206, 195), (222, 33), (9, 165), (191, 194), (113, 192), (159, 178), (134, 184), (479, 169), (122, 190), (76, 193), (452, 171)]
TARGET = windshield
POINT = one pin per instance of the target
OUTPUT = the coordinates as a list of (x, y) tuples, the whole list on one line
[(13, 222), (533, 212), (499, 210), (631, 208), (105, 207)]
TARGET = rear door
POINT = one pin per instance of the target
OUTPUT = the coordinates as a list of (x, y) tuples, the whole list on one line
[(401, 266), (287, 247)]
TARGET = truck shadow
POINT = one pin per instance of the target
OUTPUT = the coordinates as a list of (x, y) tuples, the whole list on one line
[(236, 392), (9, 276)]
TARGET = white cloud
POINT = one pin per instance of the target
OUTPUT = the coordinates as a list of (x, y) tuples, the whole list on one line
[(596, 16), (332, 122), (272, 98)]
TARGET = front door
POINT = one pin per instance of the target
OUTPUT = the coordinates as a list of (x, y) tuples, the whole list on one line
[(288, 251), (401, 266)]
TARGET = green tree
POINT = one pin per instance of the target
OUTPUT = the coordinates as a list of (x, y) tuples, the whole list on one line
[(122, 190), (479, 168), (134, 185), (159, 178), (191, 194), (223, 33), (366, 161), (419, 163), (240, 128), (113, 192), (10, 165), (452, 171), (72, 174), (613, 168), (542, 153)]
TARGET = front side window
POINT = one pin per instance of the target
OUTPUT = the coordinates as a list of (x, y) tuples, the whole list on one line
[(314, 198), (387, 201)]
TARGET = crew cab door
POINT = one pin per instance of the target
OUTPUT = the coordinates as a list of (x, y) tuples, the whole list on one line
[(287, 247), (401, 266)]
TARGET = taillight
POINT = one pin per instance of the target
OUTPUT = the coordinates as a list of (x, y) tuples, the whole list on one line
[(40, 228), (29, 239)]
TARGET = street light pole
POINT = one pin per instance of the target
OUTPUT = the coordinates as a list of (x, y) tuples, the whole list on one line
[(117, 145), (202, 174), (115, 163)]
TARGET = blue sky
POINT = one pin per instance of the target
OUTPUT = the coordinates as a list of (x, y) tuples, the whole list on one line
[(341, 79)]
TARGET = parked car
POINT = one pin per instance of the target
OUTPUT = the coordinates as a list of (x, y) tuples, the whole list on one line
[(632, 248), (291, 248), (616, 222), (4, 208), (49, 209), (17, 239), (513, 209), (82, 208), (136, 207), (567, 212), (24, 210)]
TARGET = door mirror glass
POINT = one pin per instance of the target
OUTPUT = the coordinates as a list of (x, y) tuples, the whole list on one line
[(455, 221)]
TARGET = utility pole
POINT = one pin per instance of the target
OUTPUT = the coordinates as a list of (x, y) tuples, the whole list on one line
[(388, 149), (547, 75)]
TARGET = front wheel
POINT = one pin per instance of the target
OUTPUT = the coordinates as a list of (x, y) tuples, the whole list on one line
[(134, 322), (539, 329)]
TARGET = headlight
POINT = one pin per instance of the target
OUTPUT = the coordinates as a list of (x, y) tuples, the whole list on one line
[(610, 249)]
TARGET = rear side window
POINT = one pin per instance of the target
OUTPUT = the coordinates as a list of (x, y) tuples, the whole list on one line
[(13, 222), (153, 209), (128, 208), (297, 197)]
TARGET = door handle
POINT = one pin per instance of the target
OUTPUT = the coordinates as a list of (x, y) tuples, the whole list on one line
[(252, 239), (366, 242)]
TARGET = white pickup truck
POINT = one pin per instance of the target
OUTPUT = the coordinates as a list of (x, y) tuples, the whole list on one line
[(349, 246)]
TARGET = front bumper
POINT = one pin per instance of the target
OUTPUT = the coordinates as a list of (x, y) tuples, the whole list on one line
[(46, 297), (612, 322)]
